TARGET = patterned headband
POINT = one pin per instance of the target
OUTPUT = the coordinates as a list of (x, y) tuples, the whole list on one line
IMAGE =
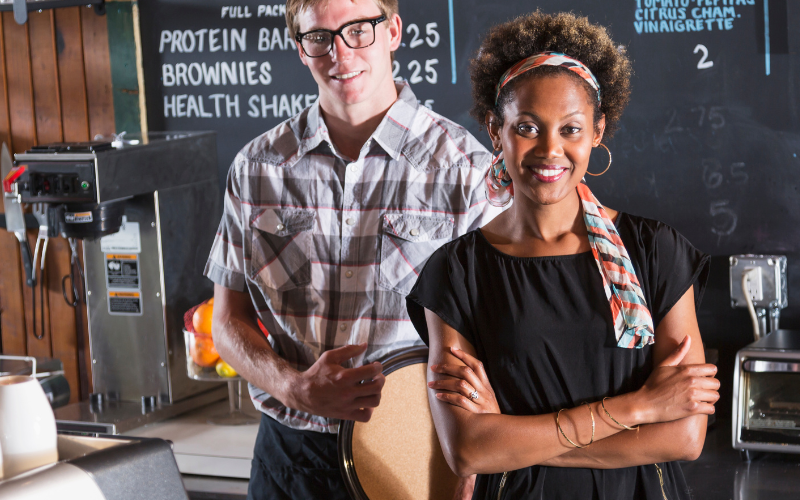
[(548, 59)]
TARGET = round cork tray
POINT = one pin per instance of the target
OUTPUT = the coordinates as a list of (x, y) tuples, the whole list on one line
[(396, 455)]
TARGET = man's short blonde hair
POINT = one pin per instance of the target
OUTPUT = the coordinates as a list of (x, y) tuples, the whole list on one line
[(294, 7)]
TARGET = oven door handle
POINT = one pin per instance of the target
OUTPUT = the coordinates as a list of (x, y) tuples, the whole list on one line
[(770, 366)]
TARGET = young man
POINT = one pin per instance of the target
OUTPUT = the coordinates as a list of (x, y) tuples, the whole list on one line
[(328, 219)]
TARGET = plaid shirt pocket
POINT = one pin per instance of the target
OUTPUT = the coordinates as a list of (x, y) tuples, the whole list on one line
[(281, 242), (406, 243)]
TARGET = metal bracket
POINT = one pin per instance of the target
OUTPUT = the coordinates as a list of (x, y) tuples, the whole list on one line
[(20, 11), (22, 7)]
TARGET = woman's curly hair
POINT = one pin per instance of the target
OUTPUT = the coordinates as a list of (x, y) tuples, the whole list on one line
[(509, 43)]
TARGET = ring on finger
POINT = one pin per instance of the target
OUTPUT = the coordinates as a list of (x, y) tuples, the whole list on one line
[(473, 395)]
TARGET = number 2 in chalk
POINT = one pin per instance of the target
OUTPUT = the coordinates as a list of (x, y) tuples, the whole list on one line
[(702, 63)]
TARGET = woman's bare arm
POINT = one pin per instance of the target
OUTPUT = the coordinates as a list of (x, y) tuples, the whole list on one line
[(489, 443), (660, 442)]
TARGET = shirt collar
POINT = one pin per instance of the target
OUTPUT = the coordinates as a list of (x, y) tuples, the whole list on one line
[(392, 132), (315, 131)]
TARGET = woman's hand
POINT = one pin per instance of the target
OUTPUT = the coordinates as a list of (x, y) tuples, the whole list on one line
[(674, 391), (464, 383)]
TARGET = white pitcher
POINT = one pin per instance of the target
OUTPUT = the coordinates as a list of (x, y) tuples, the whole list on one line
[(27, 426)]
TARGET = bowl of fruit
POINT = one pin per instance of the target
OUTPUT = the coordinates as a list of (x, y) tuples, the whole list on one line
[(202, 359), (204, 363)]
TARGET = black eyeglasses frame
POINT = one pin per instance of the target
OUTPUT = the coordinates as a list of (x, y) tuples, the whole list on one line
[(374, 22)]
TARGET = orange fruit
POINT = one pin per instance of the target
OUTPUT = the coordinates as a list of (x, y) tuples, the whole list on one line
[(210, 301), (201, 320), (203, 352)]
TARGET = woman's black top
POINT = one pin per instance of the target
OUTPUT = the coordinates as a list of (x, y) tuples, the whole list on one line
[(542, 327)]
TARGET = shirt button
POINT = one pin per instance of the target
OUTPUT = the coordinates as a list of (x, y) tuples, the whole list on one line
[(280, 227), (352, 167), (349, 274), (343, 327), (350, 221), (414, 232)]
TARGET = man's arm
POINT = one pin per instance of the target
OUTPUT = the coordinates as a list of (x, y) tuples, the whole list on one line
[(325, 389)]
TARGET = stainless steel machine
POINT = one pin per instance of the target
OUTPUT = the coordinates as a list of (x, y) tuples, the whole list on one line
[(766, 395), (147, 209), (766, 380)]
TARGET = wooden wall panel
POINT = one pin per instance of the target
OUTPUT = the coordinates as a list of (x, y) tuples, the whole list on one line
[(44, 71), (5, 126), (98, 73), (12, 318), (74, 108), (20, 88)]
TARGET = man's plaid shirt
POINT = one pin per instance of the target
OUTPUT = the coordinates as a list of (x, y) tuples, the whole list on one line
[(328, 249)]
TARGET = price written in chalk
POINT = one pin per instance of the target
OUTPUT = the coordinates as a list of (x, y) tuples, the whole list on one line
[(418, 70)]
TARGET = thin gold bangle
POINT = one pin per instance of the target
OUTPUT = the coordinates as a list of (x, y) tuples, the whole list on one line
[(603, 404), (558, 424)]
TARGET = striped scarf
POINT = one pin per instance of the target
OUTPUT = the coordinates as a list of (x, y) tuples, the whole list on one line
[(633, 325)]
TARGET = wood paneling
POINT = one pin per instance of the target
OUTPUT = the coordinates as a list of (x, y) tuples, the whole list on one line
[(20, 87), (5, 125), (98, 73), (12, 317), (44, 70), (69, 44)]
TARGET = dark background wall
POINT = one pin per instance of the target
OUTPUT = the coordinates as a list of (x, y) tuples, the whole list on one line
[(709, 143)]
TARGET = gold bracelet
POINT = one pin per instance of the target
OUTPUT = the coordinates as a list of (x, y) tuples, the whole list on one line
[(558, 424), (603, 404)]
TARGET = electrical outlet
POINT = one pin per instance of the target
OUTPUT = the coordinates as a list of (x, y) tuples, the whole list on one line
[(766, 284), (754, 283)]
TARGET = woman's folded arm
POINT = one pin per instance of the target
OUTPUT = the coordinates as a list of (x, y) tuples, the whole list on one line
[(673, 404)]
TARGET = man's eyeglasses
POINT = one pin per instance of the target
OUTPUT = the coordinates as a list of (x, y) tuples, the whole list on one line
[(356, 35)]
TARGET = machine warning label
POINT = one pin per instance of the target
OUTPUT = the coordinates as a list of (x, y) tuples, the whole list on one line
[(122, 271), (127, 303)]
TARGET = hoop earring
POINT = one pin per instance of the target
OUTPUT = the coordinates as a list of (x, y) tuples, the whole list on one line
[(609, 162)]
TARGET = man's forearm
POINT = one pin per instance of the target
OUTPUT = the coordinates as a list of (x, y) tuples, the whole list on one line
[(653, 443), (241, 344)]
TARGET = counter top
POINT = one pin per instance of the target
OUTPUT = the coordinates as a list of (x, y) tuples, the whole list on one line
[(721, 474)]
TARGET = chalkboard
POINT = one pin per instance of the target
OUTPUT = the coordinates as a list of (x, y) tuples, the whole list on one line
[(709, 143)]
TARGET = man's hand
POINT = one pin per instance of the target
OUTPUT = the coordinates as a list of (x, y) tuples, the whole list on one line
[(330, 390)]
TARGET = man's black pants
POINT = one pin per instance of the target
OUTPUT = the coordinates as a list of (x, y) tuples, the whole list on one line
[(290, 465)]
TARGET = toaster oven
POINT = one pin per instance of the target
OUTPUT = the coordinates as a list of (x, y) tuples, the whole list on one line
[(766, 394)]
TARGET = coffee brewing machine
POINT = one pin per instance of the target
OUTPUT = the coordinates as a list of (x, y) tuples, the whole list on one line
[(147, 208)]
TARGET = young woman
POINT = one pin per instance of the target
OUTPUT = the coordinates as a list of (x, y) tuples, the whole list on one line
[(565, 356)]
